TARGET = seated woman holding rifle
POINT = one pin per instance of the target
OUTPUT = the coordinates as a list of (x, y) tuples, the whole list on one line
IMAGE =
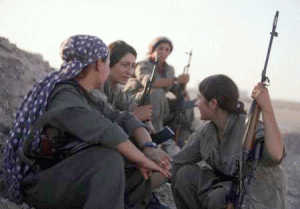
[(204, 171), (66, 147), (122, 62), (164, 80)]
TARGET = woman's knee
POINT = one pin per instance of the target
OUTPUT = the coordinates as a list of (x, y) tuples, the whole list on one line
[(104, 159), (216, 199), (185, 177)]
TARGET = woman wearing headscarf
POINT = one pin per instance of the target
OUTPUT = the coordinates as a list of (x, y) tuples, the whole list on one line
[(160, 47), (65, 148), (204, 170)]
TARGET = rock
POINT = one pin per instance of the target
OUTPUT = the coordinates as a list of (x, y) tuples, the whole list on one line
[(19, 70)]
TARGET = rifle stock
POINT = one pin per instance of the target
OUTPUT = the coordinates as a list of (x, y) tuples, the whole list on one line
[(249, 137)]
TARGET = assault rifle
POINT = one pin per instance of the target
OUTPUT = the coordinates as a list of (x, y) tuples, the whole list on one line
[(187, 67), (179, 105), (166, 133), (249, 142), (178, 89)]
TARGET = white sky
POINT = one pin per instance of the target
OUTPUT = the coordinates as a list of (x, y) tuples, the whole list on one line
[(227, 36)]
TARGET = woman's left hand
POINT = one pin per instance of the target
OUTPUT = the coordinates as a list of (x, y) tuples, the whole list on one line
[(144, 112), (183, 79), (148, 166), (261, 95), (158, 156)]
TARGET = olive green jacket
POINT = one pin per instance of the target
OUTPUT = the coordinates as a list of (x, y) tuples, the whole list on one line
[(78, 113)]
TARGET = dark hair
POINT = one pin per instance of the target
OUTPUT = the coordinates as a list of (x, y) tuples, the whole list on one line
[(155, 43), (224, 90), (119, 49)]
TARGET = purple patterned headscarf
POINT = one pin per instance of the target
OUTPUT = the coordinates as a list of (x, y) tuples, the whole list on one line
[(77, 52)]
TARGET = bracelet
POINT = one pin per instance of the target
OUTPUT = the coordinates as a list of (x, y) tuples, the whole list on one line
[(149, 144)]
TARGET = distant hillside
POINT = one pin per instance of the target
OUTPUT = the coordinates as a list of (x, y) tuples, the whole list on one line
[(287, 113)]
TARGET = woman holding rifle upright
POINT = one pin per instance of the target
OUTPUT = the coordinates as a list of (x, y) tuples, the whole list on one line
[(164, 80), (203, 171)]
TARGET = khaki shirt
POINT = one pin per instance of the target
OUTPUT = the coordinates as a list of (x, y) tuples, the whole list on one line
[(268, 188), (118, 98)]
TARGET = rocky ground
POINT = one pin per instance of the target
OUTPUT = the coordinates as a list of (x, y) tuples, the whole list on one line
[(20, 69)]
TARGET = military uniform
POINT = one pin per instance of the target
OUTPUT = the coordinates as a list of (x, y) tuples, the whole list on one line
[(93, 177), (204, 169)]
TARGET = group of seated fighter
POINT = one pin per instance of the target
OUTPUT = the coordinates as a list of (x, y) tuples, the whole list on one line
[(81, 139)]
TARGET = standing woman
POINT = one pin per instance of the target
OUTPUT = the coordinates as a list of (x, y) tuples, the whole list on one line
[(66, 147), (164, 80), (217, 146)]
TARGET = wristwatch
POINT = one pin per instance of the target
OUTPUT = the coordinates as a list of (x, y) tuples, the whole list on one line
[(149, 144)]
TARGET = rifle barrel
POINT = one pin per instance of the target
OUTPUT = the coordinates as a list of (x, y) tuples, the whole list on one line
[(186, 68), (273, 33)]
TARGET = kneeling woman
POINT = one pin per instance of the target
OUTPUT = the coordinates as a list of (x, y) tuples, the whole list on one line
[(203, 171), (73, 142)]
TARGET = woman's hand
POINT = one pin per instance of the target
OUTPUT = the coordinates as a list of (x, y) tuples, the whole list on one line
[(158, 156), (147, 166), (183, 79), (261, 95), (273, 138), (144, 112)]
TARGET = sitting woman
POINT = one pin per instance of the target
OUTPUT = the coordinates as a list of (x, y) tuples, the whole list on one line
[(122, 62), (204, 170), (66, 146), (160, 47)]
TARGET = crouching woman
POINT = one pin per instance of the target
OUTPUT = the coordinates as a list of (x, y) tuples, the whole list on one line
[(203, 171)]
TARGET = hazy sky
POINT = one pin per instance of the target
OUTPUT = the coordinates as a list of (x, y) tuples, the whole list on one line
[(227, 36)]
